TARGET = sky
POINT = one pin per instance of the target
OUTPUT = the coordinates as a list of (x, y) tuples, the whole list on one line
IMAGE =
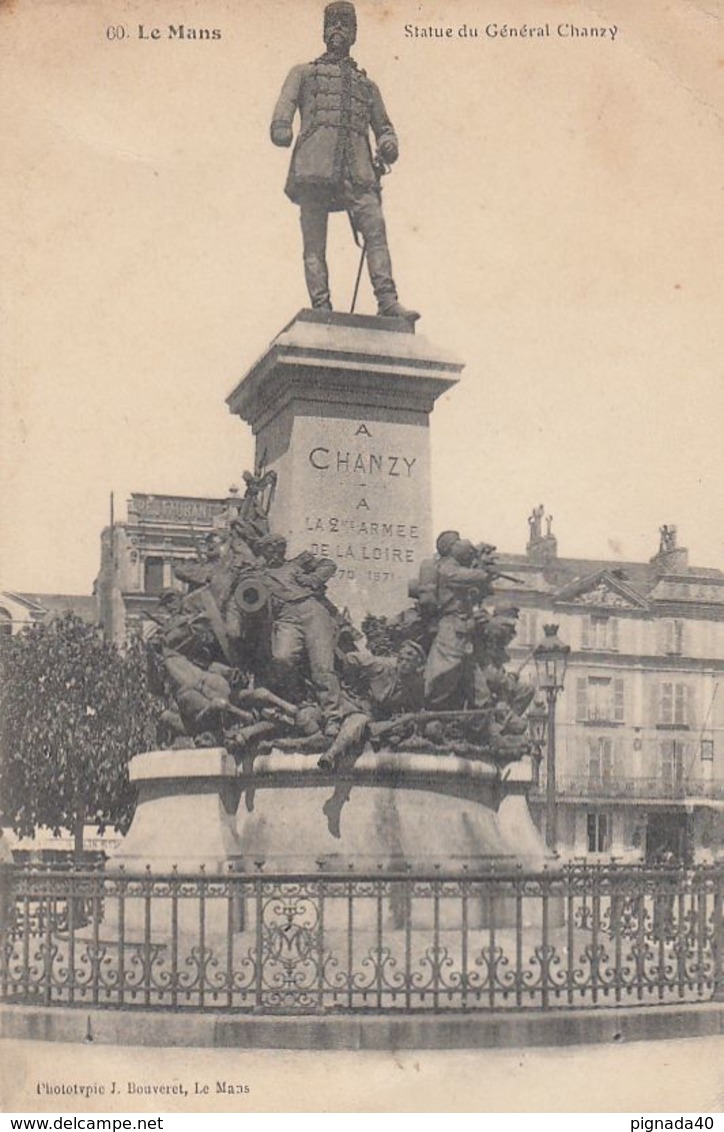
[(555, 215)]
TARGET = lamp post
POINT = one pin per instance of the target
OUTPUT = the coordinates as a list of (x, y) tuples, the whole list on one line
[(537, 716), (551, 658)]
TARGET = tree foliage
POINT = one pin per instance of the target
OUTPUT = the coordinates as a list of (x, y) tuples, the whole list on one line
[(73, 711)]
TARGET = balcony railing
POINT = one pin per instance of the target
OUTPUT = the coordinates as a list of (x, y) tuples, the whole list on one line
[(638, 788), (579, 936)]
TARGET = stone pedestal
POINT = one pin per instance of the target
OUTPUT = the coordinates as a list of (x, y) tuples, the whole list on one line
[(185, 823), (399, 813), (398, 810), (340, 406), (186, 813), (387, 814)]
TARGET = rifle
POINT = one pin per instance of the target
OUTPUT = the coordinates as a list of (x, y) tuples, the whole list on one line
[(508, 578), (385, 726), (485, 550), (221, 705)]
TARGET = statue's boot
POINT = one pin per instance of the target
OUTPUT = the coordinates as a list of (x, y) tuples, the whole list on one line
[(332, 810), (317, 278), (395, 309), (368, 220), (383, 285)]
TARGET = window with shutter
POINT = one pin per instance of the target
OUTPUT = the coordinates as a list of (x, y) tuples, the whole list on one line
[(528, 627), (599, 627), (692, 715), (600, 698), (666, 704), (673, 637), (655, 703), (600, 761), (581, 698), (597, 828), (666, 763), (599, 695), (599, 632), (673, 763), (585, 633), (606, 746), (661, 636)]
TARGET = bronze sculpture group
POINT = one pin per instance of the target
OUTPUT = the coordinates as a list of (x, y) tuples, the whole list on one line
[(254, 655)]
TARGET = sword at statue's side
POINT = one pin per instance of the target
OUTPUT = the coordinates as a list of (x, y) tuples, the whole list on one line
[(381, 170)]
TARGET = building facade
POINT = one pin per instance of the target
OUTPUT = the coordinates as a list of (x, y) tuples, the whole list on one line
[(138, 554), (640, 721), (20, 609)]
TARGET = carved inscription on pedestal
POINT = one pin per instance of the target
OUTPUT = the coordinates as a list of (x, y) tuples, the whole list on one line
[(364, 495)]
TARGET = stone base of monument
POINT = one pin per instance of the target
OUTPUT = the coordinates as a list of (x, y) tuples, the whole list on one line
[(184, 824), (186, 812), (395, 813), (388, 814)]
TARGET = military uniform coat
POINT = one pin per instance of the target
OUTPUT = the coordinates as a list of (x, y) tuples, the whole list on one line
[(338, 106)]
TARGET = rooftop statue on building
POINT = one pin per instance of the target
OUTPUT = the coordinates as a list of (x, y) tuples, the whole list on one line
[(333, 168), (535, 522), (667, 539)]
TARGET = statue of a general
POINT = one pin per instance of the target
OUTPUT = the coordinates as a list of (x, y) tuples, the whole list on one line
[(333, 168)]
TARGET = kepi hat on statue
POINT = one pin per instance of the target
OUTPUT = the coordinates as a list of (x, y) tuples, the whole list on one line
[(340, 10)]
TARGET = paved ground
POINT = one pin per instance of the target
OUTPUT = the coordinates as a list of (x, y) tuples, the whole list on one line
[(641, 1077)]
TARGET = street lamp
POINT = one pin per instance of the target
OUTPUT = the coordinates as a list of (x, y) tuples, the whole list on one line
[(551, 658), (537, 716)]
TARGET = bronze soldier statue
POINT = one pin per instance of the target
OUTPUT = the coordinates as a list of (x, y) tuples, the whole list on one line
[(453, 678), (303, 624), (332, 167)]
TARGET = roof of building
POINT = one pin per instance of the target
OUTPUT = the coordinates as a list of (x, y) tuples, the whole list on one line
[(642, 575), (649, 581), (81, 604)]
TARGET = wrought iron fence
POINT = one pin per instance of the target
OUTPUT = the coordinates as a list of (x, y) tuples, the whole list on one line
[(579, 936)]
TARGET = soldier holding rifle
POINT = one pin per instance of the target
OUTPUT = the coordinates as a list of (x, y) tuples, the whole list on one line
[(453, 678)]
